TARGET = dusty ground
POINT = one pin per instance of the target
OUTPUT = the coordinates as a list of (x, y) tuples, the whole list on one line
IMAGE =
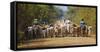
[(54, 42)]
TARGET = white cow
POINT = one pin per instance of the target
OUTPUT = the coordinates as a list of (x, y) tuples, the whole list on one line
[(69, 26), (89, 30)]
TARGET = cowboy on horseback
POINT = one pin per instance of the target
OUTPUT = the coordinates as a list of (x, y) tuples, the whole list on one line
[(83, 27), (82, 23)]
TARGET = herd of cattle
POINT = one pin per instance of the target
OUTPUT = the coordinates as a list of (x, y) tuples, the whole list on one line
[(57, 30)]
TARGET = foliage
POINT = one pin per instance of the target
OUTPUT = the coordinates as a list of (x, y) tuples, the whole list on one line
[(86, 13), (26, 13)]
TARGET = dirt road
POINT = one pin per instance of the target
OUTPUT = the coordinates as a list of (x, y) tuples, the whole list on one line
[(54, 42)]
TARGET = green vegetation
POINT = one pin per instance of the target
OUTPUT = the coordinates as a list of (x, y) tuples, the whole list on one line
[(86, 13), (28, 12)]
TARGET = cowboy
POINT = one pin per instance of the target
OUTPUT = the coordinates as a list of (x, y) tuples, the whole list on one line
[(82, 23)]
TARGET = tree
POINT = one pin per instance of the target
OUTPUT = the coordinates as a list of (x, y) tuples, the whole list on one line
[(86, 13)]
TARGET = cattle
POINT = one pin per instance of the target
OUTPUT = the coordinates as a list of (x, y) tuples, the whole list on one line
[(89, 30), (47, 32), (78, 31), (44, 32), (64, 30), (55, 30), (74, 30), (30, 32), (35, 31), (67, 29), (51, 31)]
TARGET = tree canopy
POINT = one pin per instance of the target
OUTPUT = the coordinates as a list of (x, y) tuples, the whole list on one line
[(43, 13), (86, 13)]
